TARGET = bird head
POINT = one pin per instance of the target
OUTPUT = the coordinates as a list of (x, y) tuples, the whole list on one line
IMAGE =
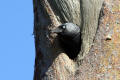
[(67, 29)]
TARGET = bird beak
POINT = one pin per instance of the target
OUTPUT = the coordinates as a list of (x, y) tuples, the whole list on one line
[(57, 30)]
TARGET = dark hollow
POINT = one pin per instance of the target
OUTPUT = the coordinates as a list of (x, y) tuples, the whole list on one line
[(70, 47)]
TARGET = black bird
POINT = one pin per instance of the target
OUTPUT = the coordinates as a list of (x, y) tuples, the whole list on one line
[(69, 38)]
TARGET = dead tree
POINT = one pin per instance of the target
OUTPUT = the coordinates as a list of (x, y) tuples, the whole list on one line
[(51, 62)]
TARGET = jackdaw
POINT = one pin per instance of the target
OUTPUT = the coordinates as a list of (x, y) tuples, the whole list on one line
[(69, 38)]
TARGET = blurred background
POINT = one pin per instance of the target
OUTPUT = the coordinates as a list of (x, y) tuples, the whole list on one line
[(17, 51)]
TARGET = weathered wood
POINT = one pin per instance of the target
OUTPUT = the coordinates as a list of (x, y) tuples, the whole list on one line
[(67, 10), (90, 11), (51, 62)]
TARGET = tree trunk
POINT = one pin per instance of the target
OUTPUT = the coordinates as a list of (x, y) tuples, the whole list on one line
[(51, 62)]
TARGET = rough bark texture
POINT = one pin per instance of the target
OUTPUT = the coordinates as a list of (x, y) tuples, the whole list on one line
[(103, 60), (51, 62)]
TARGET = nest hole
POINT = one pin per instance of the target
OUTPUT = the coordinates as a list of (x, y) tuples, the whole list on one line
[(70, 49)]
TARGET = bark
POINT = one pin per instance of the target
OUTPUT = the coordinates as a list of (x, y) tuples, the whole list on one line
[(51, 62)]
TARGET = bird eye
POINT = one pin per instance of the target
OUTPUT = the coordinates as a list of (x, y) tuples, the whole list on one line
[(63, 27)]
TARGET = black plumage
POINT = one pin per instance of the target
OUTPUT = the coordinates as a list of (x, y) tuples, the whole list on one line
[(69, 38)]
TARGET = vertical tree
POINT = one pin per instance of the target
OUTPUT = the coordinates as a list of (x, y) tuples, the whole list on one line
[(51, 62)]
